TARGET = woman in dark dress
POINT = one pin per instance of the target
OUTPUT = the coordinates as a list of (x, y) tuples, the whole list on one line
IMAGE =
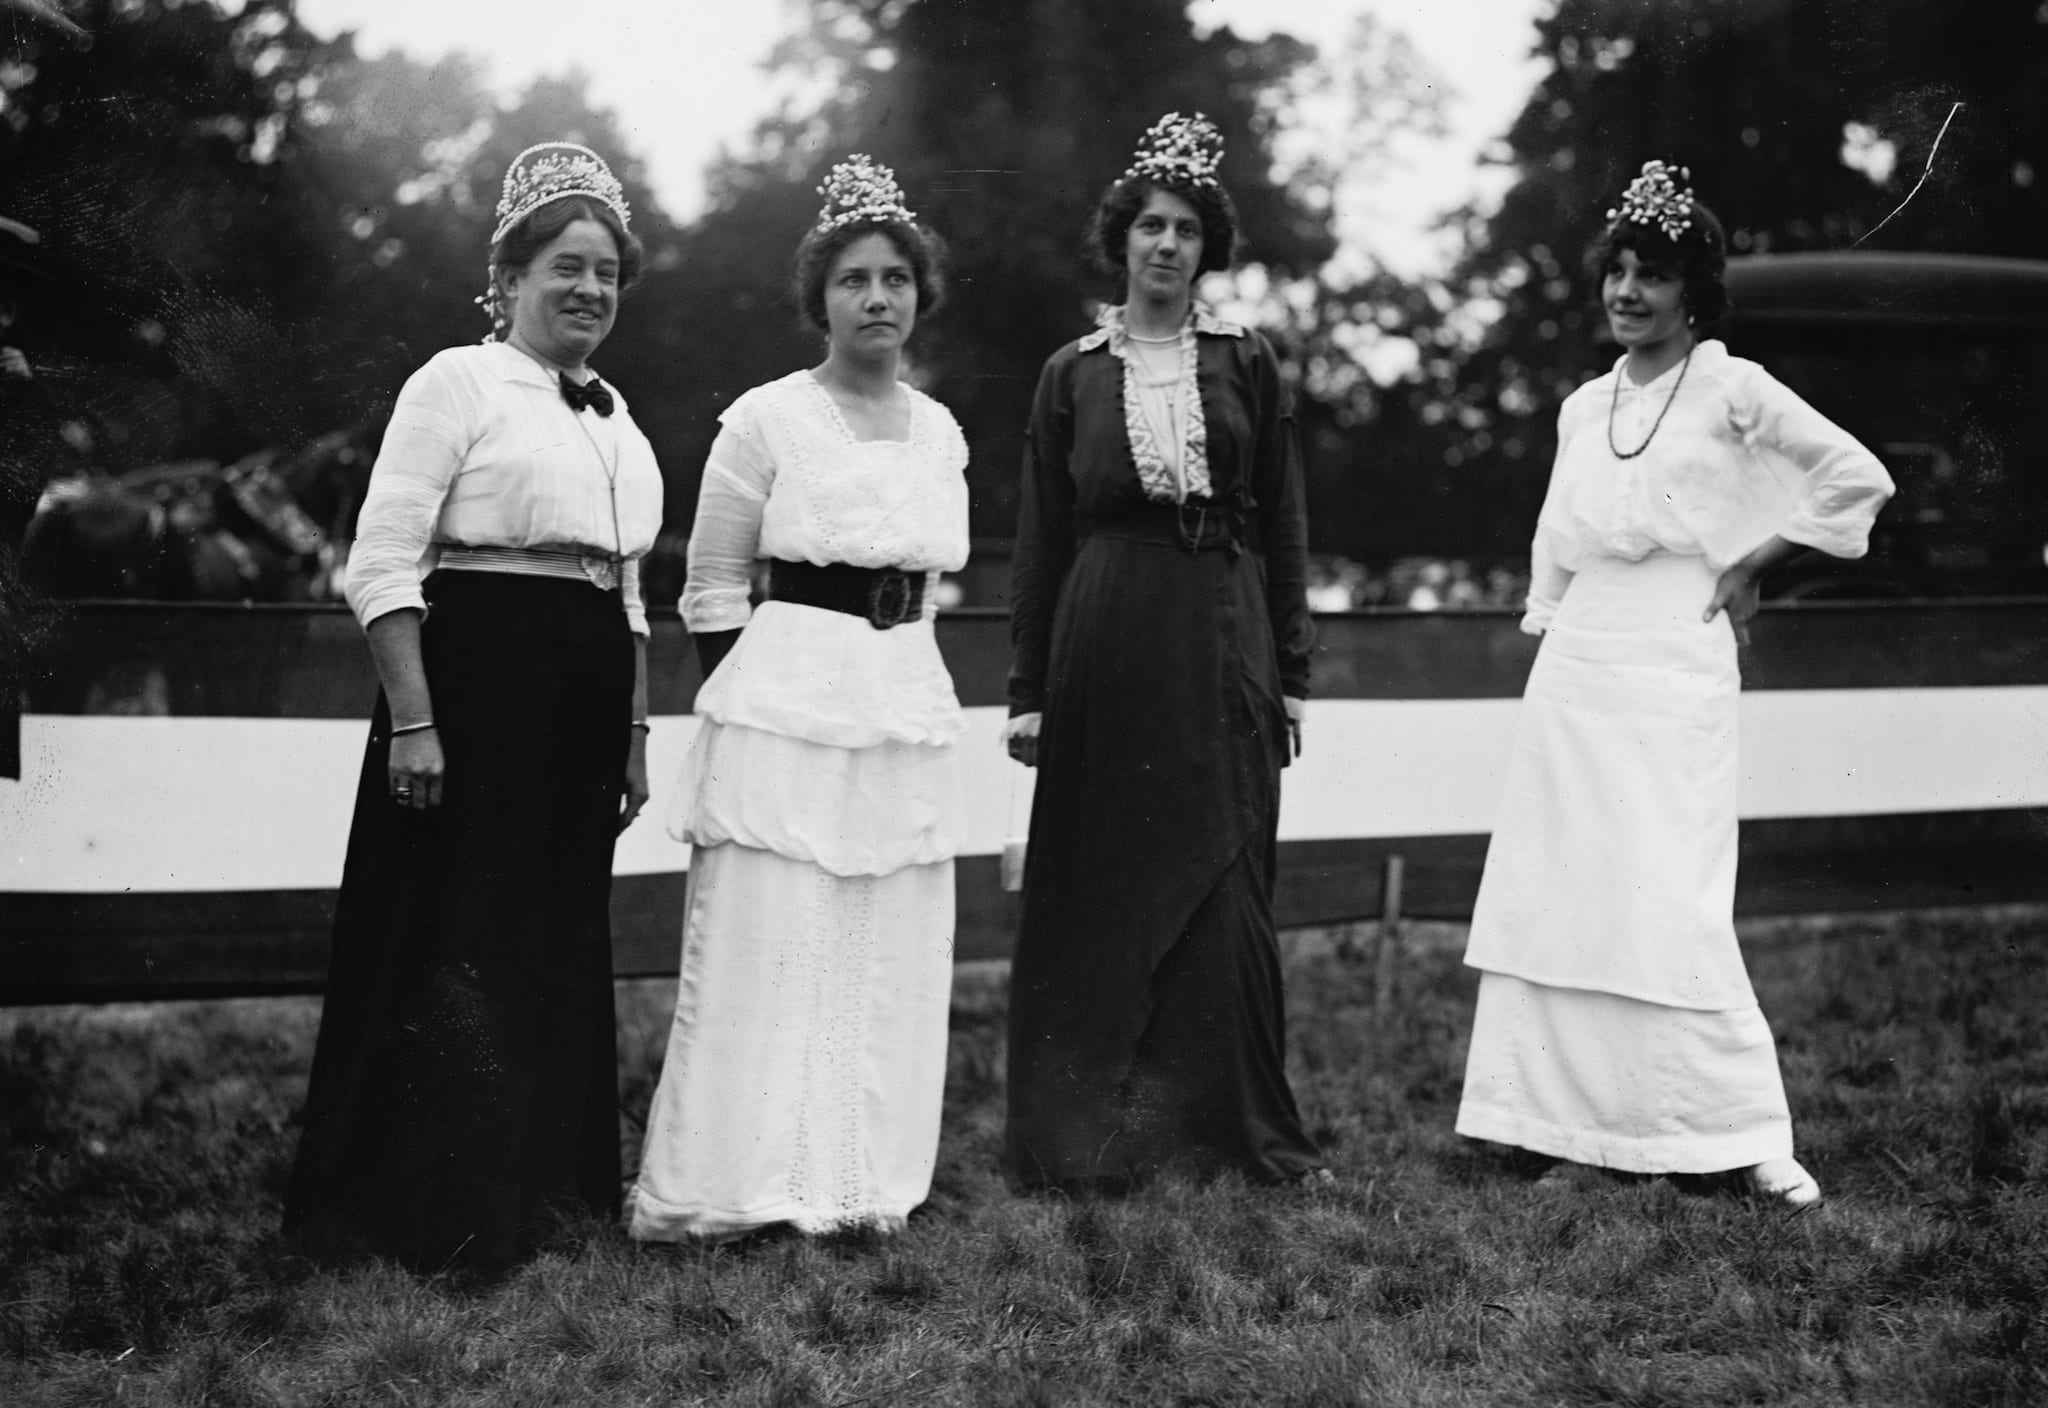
[(1161, 636), (464, 1089)]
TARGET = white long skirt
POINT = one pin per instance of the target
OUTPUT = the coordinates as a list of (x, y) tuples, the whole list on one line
[(1616, 1023), (806, 1068), (1601, 1079)]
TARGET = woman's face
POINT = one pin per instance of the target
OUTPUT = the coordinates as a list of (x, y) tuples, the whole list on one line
[(1164, 248), (1645, 303), (564, 301), (870, 297)]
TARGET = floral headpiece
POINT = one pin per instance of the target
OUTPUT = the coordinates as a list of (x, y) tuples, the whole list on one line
[(1179, 150), (1657, 197), (861, 189), (549, 171), (553, 171)]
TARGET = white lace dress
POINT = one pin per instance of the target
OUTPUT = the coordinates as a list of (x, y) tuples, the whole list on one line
[(806, 1068)]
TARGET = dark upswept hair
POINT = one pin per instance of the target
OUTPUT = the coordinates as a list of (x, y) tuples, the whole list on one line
[(1699, 255), (541, 228), (918, 244), (1110, 230)]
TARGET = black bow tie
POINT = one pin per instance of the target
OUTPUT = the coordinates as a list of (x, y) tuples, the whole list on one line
[(591, 393)]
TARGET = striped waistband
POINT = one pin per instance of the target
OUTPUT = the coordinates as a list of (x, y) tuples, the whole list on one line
[(598, 569)]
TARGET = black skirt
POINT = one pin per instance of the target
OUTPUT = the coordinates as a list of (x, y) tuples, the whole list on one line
[(464, 1088), (1147, 1028)]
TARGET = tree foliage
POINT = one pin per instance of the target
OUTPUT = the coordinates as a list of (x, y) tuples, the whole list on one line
[(1757, 98), (258, 234), (255, 235), (1005, 123)]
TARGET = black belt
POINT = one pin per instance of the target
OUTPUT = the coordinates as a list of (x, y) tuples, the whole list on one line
[(881, 596), (1199, 525)]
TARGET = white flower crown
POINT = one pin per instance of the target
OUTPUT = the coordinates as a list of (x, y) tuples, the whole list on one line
[(1657, 197), (861, 189), (1183, 150), (552, 171)]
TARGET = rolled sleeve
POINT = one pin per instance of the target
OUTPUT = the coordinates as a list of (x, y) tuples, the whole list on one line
[(423, 449), (1841, 485), (1547, 583)]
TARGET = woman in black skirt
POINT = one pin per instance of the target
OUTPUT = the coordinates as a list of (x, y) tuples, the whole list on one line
[(1161, 635), (464, 1087)]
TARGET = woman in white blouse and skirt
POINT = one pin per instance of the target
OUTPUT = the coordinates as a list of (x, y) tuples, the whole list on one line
[(464, 1088), (1616, 1025), (806, 1066)]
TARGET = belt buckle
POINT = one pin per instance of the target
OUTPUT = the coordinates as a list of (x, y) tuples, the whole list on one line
[(602, 569), (888, 598), (1191, 541)]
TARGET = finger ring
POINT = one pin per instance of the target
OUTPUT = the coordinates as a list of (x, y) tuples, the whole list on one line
[(402, 793)]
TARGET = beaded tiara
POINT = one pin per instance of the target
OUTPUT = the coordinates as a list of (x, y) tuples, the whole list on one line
[(553, 171), (861, 189), (1657, 197), (1178, 150)]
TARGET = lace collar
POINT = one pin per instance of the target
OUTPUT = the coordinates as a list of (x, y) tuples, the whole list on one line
[(1155, 475), (1109, 327)]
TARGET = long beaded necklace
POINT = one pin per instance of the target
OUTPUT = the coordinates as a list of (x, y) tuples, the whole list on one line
[(1615, 404)]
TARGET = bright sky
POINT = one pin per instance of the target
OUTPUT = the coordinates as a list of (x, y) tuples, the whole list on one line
[(685, 78)]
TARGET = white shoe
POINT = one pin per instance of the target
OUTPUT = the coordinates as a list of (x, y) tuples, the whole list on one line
[(1784, 1181)]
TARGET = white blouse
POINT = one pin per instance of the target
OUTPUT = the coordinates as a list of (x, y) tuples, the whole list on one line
[(823, 739), (483, 451), (1738, 458), (787, 479)]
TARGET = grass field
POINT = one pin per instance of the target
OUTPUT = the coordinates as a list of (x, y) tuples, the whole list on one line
[(143, 1153)]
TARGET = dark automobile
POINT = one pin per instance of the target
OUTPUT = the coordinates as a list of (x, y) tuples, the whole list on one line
[(1938, 362)]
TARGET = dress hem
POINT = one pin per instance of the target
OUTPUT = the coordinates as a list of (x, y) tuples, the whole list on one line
[(1717, 1155), (662, 1222)]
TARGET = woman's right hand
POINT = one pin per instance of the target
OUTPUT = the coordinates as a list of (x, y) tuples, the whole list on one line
[(415, 770), (1020, 737)]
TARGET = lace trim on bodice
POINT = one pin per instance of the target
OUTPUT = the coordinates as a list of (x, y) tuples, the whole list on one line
[(1155, 473), (821, 510)]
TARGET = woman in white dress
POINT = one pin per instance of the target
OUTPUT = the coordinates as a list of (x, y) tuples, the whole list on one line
[(1616, 1025), (807, 1063)]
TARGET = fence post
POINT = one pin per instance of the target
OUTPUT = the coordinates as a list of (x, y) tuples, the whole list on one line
[(1389, 940)]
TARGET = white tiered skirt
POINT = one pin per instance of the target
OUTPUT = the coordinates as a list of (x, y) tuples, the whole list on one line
[(806, 1067), (1616, 1024)]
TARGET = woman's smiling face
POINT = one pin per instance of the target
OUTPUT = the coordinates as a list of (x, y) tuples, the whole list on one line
[(1645, 303), (566, 298)]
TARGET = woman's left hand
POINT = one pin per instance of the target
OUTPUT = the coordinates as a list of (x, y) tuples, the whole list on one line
[(636, 780), (1739, 587), (1736, 593), (1296, 710)]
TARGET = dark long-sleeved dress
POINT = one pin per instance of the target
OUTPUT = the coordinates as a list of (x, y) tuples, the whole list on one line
[(1157, 640)]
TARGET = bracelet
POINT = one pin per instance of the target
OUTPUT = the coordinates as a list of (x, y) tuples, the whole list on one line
[(412, 728), (642, 723)]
